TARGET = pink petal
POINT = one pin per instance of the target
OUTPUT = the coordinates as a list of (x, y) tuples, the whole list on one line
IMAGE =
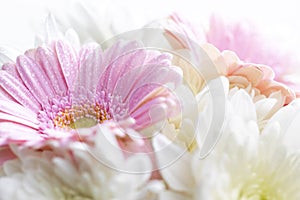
[(146, 106), (119, 65), (5, 96), (17, 110), (158, 58), (139, 94), (35, 79), (123, 58), (17, 133), (6, 154), (145, 76), (18, 91), (90, 68), (132, 81), (68, 61), (31, 53), (156, 106), (215, 35), (118, 49), (10, 118), (12, 70), (150, 113), (50, 64)]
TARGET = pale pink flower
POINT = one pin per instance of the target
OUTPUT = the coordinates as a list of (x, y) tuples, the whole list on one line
[(251, 46), (51, 91), (258, 77)]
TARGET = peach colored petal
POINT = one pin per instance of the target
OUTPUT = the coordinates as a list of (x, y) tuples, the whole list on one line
[(267, 72), (238, 81), (231, 60), (252, 73)]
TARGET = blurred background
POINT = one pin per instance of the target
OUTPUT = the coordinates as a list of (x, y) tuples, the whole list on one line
[(21, 20)]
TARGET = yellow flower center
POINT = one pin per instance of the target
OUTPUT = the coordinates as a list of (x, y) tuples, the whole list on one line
[(81, 116)]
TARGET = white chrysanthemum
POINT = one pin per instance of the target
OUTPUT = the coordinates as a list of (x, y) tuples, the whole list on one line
[(250, 167), (247, 164), (78, 172)]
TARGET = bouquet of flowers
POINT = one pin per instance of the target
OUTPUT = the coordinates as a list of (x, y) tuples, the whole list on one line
[(168, 111)]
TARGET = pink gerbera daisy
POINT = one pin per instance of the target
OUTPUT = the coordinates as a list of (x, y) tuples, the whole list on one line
[(51, 91)]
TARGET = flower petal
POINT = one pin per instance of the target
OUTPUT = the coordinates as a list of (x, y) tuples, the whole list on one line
[(263, 107), (123, 62), (158, 105), (243, 106), (17, 133), (252, 73), (171, 160), (10, 118), (18, 91), (50, 64), (35, 79), (288, 118), (17, 110), (168, 195), (52, 32), (145, 76), (136, 85), (12, 70), (90, 68), (68, 61)]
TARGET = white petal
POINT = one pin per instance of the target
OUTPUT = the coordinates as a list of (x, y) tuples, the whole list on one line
[(173, 161), (168, 195), (288, 118), (52, 31), (214, 116), (243, 105), (263, 107)]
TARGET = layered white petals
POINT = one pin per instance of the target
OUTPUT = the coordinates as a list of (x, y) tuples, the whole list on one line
[(247, 163), (76, 172)]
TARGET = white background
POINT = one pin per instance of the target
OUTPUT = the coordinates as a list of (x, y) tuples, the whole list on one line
[(20, 19)]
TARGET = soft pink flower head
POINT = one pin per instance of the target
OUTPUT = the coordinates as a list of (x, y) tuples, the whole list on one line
[(52, 91), (251, 46), (248, 71)]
